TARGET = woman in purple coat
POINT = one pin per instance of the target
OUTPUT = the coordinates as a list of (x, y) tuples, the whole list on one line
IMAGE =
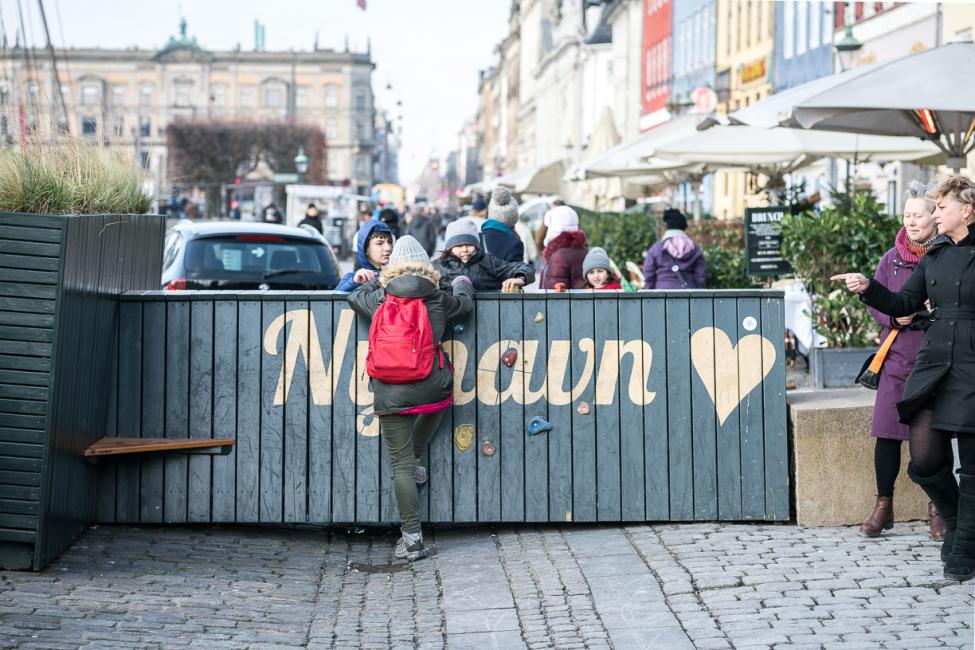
[(675, 262), (894, 269)]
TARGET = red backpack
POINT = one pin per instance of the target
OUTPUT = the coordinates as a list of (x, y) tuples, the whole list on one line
[(401, 348)]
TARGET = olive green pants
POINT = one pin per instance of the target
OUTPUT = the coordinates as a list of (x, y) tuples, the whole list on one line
[(406, 436)]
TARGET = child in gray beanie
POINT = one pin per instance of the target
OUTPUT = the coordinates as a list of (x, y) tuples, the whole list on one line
[(464, 255), (498, 232), (598, 270)]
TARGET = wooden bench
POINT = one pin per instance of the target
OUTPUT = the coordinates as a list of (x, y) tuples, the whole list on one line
[(120, 446)]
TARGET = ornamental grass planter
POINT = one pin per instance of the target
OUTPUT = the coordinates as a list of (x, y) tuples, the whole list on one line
[(60, 278), (837, 367)]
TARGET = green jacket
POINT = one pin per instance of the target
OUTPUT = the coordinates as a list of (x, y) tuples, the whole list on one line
[(415, 280)]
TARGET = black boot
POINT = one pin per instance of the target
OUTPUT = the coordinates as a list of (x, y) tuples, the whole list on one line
[(942, 489), (961, 564)]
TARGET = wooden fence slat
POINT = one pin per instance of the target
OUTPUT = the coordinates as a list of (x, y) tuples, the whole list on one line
[(296, 412), (202, 335), (105, 476), (774, 402), (511, 445), (129, 401), (750, 413), (728, 432), (465, 415), (249, 353), (343, 415), (367, 461), (273, 380), (634, 362), (680, 447), (488, 359), (703, 422), (176, 467), (439, 491), (534, 387), (587, 442), (153, 407), (224, 471), (603, 400), (320, 416), (559, 387)]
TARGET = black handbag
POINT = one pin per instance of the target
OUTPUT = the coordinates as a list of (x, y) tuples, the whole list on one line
[(869, 375)]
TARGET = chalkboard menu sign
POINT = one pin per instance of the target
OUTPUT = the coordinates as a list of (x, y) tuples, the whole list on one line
[(763, 241)]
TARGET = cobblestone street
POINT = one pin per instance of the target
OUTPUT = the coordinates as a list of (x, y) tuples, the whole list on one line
[(667, 586)]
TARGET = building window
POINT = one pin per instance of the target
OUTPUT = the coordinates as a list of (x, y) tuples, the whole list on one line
[(218, 95), (89, 95), (118, 128), (145, 95), (89, 126), (331, 96), (301, 97), (118, 96), (827, 24), (788, 30), (360, 130), (360, 100), (361, 165), (145, 127), (4, 93), (815, 16), (802, 28), (272, 95), (331, 128), (33, 92), (247, 95), (182, 91), (144, 159), (333, 168)]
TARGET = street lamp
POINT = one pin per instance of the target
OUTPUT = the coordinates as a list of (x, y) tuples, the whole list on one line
[(846, 47), (301, 164)]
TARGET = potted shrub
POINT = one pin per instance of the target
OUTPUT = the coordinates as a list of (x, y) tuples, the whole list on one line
[(850, 235), (73, 235)]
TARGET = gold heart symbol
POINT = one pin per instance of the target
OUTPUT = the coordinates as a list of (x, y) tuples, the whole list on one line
[(730, 372)]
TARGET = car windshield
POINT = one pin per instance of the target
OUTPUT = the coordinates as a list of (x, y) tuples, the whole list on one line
[(255, 255)]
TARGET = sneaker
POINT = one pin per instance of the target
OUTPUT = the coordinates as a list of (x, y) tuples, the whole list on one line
[(410, 550), (421, 474)]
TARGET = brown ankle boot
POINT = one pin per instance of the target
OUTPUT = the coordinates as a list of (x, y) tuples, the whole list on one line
[(936, 524), (881, 519)]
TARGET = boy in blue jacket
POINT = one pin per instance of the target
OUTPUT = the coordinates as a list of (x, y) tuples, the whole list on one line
[(373, 243)]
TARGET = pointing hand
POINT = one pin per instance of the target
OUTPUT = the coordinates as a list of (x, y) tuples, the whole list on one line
[(855, 282)]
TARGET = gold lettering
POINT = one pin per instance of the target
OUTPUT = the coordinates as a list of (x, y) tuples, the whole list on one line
[(457, 352), (487, 373), (609, 371)]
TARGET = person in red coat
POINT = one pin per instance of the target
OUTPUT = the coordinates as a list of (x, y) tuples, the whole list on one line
[(565, 250), (894, 269)]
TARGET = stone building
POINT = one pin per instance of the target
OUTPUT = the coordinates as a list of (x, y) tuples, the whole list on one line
[(127, 98)]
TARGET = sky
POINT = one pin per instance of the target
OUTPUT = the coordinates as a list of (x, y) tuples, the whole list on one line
[(428, 50)]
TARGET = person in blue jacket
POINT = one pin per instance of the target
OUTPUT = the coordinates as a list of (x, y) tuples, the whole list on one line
[(374, 243), (497, 233)]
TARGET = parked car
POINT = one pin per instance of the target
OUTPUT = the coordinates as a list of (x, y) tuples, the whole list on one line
[(243, 255)]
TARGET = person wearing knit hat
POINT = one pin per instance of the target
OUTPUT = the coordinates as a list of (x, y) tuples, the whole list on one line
[(675, 262), (479, 208), (598, 270), (560, 219), (565, 249), (499, 238), (410, 412), (464, 255)]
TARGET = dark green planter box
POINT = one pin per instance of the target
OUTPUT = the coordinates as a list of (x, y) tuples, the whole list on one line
[(60, 277), (837, 367)]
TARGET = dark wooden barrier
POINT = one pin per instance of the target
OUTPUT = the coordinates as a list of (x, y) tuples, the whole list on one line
[(664, 406), (59, 281)]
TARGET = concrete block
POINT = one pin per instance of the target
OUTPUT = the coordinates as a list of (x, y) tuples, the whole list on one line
[(833, 474)]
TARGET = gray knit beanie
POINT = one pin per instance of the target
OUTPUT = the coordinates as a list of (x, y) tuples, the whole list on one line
[(503, 206), (408, 249), (462, 231), (596, 258)]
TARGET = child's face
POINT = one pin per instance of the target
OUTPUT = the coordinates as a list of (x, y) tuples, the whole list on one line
[(464, 252), (598, 277), (378, 249)]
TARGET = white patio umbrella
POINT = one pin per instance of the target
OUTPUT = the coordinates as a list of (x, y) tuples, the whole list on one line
[(930, 94), (539, 179)]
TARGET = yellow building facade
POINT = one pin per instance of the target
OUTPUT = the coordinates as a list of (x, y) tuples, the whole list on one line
[(743, 58)]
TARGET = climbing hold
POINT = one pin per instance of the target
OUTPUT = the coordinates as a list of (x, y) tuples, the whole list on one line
[(464, 437), (537, 425), (488, 449), (355, 530), (560, 287), (509, 357), (539, 317), (583, 408), (459, 328)]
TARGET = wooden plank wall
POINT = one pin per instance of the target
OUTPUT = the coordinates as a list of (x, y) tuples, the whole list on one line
[(665, 406)]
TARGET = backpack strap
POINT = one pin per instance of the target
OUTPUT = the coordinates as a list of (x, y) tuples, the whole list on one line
[(675, 268)]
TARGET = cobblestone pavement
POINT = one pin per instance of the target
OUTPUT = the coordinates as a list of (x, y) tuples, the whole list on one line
[(664, 586)]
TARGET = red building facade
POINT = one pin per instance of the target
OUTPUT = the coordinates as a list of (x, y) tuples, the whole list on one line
[(657, 49)]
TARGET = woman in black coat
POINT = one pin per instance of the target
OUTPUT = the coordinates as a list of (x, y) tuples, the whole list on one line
[(939, 396)]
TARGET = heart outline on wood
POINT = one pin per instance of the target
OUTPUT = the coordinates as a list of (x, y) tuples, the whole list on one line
[(730, 372)]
